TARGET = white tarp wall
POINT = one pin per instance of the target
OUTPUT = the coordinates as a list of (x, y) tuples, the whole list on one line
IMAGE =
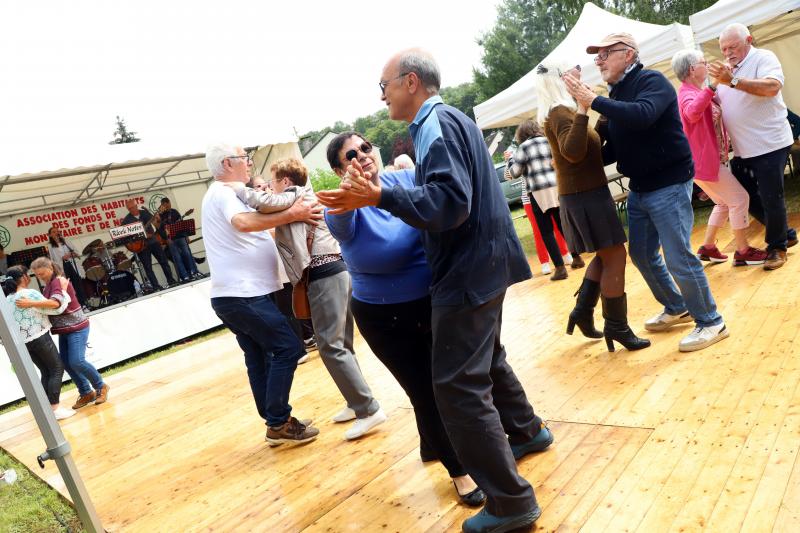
[(657, 46), (774, 24)]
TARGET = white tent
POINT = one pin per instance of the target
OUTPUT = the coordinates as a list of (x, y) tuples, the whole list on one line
[(775, 25), (657, 45)]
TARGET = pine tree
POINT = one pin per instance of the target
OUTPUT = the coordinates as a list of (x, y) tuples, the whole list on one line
[(122, 135)]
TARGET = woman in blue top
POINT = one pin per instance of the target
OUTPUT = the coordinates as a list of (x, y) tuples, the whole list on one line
[(391, 302)]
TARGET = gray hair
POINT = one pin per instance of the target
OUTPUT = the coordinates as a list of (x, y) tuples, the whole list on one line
[(684, 60), (737, 29), (215, 155), (403, 161), (424, 66)]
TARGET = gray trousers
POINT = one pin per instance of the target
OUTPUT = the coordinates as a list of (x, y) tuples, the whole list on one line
[(333, 327)]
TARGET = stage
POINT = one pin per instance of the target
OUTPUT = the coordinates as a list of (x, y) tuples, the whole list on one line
[(654, 440), (119, 332)]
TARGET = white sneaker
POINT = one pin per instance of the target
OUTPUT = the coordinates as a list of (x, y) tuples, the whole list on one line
[(664, 320), (567, 258), (547, 269), (63, 412), (363, 425), (703, 337), (304, 359), (345, 415)]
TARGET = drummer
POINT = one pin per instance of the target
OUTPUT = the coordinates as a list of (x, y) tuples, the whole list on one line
[(153, 248), (65, 255)]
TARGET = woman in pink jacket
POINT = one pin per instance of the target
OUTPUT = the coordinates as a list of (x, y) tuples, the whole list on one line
[(702, 122)]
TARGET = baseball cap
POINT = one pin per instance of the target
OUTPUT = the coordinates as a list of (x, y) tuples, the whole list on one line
[(609, 40)]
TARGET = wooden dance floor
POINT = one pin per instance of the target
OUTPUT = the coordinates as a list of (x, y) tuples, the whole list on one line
[(654, 440)]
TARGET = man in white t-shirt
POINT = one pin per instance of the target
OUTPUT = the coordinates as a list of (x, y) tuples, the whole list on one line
[(749, 90), (244, 270)]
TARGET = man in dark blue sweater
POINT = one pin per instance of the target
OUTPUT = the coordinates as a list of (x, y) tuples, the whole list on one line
[(474, 255), (644, 135)]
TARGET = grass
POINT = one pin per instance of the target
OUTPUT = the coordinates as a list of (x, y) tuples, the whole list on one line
[(31, 506)]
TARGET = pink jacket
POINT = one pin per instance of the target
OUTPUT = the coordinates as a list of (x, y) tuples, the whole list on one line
[(695, 109)]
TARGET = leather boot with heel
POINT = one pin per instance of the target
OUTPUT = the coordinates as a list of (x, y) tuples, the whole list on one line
[(582, 315), (615, 311)]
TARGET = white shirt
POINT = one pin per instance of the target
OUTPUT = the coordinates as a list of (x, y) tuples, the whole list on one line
[(242, 264), (757, 125), (57, 254)]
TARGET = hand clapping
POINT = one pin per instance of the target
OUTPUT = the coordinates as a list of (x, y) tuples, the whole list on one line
[(581, 92), (356, 190)]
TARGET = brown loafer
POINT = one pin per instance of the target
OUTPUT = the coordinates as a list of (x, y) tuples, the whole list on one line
[(559, 274), (85, 400), (775, 259), (102, 394)]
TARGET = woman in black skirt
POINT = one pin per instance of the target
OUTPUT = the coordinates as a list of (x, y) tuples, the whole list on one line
[(588, 214)]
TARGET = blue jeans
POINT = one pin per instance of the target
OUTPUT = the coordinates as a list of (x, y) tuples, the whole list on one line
[(663, 219), (72, 348), (182, 257), (271, 350)]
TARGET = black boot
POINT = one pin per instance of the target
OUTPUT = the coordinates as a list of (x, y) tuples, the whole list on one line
[(615, 311), (583, 314)]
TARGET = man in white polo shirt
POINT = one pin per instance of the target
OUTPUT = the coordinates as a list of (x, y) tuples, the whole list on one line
[(243, 261), (749, 89)]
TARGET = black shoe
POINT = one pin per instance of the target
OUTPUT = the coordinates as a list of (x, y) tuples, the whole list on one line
[(473, 499), (310, 343), (583, 314), (615, 311)]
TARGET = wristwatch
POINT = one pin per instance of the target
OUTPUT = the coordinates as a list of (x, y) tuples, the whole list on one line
[(734, 82)]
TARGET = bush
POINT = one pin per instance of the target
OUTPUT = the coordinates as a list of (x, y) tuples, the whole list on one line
[(323, 180)]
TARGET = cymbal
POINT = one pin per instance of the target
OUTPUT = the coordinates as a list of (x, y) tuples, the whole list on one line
[(92, 246)]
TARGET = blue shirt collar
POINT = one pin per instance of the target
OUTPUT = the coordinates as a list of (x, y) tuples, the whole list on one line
[(425, 110)]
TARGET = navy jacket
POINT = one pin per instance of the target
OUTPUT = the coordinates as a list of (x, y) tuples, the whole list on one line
[(469, 238), (645, 135)]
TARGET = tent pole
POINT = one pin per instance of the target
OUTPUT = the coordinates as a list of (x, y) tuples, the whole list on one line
[(58, 449)]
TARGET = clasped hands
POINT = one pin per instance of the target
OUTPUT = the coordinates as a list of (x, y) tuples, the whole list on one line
[(721, 72), (357, 189)]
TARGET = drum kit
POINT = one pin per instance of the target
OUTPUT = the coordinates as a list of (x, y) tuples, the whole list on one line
[(109, 276)]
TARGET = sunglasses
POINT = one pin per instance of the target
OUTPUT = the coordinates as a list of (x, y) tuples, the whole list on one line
[(365, 148)]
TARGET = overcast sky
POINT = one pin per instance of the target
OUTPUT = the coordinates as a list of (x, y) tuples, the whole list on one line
[(207, 70)]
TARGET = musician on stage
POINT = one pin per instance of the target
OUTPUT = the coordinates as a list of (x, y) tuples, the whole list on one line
[(152, 247), (179, 246), (65, 255)]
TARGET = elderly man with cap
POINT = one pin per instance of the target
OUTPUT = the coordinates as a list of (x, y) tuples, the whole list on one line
[(749, 91), (642, 132)]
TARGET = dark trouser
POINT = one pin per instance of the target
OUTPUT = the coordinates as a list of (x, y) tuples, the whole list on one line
[(400, 337), (45, 356), (75, 278), (544, 220), (762, 178), (153, 248), (271, 351), (283, 301), (481, 401), (182, 257)]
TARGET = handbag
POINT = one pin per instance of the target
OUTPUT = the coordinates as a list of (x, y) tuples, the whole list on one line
[(300, 305)]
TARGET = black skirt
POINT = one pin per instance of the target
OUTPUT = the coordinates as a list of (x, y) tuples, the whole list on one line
[(590, 221)]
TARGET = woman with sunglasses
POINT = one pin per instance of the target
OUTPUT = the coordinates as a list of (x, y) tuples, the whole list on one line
[(391, 302), (587, 210)]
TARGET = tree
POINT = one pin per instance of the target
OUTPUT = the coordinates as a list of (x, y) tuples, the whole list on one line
[(122, 135)]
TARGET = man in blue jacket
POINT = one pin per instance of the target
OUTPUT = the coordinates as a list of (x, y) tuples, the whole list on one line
[(475, 255), (645, 137)]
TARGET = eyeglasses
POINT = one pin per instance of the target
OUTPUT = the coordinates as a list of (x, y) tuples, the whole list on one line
[(602, 56), (384, 84), (365, 148), (246, 157)]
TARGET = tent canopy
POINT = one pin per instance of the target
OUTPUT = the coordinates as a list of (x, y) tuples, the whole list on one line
[(111, 171), (775, 25), (657, 45)]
